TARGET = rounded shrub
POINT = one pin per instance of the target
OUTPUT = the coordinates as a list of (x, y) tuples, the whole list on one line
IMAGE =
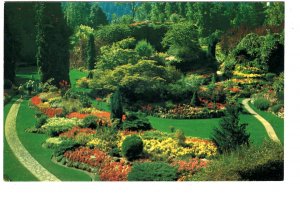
[(276, 108), (262, 103), (132, 147), (152, 171)]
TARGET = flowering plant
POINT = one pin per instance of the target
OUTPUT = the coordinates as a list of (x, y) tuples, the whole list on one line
[(76, 130), (114, 171)]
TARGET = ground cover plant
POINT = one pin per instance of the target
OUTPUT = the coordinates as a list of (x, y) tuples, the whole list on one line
[(161, 93)]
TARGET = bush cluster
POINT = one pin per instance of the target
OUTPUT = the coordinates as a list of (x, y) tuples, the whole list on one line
[(132, 147), (261, 103)]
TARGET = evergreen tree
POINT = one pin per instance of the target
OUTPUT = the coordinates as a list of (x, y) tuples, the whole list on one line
[(231, 134), (91, 54), (97, 16), (77, 13), (52, 41), (116, 105), (9, 51)]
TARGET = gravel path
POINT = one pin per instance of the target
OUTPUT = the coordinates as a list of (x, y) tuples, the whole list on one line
[(270, 131), (19, 150)]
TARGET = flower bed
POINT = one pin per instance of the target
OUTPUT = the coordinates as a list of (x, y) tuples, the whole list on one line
[(213, 110), (92, 157), (114, 171), (76, 130)]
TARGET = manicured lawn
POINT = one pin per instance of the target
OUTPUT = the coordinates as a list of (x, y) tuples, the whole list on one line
[(33, 143), (13, 169), (74, 76), (276, 122), (203, 128), (23, 74)]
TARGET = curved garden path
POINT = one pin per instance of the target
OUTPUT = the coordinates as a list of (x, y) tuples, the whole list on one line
[(270, 131), (19, 150)]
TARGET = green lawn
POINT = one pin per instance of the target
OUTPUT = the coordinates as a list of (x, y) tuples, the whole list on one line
[(203, 128), (74, 76), (13, 169), (23, 74), (33, 143), (276, 122)]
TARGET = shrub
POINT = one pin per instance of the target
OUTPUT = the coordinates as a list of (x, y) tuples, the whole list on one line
[(261, 103), (136, 121), (52, 142), (64, 146), (144, 49), (132, 147), (255, 163), (276, 108), (152, 171), (40, 121), (270, 76), (71, 105), (90, 122), (55, 126)]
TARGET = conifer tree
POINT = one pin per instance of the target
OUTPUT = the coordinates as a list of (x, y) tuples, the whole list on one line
[(230, 134), (97, 16), (91, 52), (52, 41), (116, 105)]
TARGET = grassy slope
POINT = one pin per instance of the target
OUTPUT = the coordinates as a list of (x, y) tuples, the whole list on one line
[(12, 168), (276, 122), (42, 155)]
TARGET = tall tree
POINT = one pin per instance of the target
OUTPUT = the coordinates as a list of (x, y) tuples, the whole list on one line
[(91, 54), (77, 13), (274, 13), (9, 50), (52, 41), (231, 134), (97, 16)]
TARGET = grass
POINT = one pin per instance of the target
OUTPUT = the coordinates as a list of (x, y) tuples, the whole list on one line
[(23, 74), (276, 122), (13, 170), (33, 143), (203, 128)]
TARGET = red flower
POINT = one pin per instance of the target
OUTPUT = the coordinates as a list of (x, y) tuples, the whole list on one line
[(51, 112), (36, 100), (114, 171), (76, 130)]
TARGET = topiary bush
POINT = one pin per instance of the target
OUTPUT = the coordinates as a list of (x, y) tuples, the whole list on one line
[(132, 147), (262, 103), (136, 121), (152, 171)]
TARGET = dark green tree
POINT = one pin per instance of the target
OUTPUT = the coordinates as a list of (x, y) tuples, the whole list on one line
[(231, 134), (52, 41), (9, 51), (274, 13), (116, 105), (91, 54), (97, 17)]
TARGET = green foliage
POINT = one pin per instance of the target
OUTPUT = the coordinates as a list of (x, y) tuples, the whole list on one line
[(275, 13), (152, 171), (77, 13), (40, 121), (71, 105), (66, 145), (119, 53), (144, 49), (278, 84), (254, 163), (231, 134), (91, 53), (276, 108), (108, 135), (80, 46), (151, 32), (75, 95), (261, 103), (116, 105), (195, 100), (97, 17), (136, 121), (145, 80), (132, 147), (113, 33), (270, 76), (52, 35), (90, 122), (182, 42)]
